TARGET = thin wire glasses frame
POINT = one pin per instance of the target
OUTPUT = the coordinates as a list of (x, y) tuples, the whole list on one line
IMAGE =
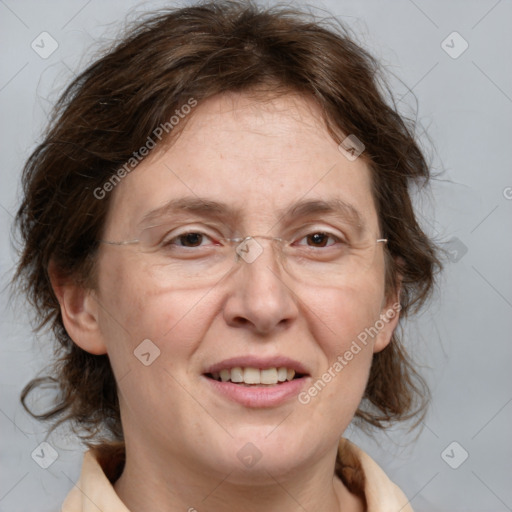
[(236, 240), (174, 266)]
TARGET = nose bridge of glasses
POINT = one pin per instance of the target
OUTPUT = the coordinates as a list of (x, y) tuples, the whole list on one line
[(249, 249)]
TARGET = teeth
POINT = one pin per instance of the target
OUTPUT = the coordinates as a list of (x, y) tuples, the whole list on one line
[(269, 376), (252, 376), (237, 374)]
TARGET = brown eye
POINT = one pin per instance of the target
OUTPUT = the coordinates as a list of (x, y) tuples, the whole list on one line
[(190, 239), (318, 239)]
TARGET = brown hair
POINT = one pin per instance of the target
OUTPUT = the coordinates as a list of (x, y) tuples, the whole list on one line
[(108, 112)]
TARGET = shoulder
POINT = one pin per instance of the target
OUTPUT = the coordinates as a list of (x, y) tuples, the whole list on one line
[(365, 478), (94, 490)]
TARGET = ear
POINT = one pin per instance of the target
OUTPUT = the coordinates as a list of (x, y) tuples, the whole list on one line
[(389, 316), (79, 311)]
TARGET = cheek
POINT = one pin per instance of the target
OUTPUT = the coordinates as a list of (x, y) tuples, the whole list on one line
[(338, 315), (134, 308), (340, 319), (175, 322)]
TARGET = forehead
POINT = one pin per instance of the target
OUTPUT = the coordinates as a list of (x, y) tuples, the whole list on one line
[(259, 155)]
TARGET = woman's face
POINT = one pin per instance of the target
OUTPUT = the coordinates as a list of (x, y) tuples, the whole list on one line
[(243, 166)]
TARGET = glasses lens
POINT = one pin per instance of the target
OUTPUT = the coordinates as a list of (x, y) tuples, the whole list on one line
[(331, 265), (185, 257)]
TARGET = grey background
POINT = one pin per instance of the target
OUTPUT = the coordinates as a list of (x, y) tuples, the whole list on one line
[(463, 338)]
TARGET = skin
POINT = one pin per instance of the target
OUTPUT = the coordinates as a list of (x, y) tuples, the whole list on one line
[(258, 155)]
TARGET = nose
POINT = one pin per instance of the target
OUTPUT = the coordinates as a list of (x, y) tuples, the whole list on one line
[(260, 297)]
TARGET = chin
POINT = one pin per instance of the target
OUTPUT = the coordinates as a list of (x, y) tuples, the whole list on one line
[(261, 457)]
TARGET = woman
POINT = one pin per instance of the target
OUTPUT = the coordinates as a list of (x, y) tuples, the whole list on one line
[(218, 228)]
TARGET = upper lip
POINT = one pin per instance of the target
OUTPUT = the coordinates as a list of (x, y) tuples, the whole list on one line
[(258, 362)]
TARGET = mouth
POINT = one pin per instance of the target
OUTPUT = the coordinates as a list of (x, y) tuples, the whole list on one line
[(257, 382), (251, 376)]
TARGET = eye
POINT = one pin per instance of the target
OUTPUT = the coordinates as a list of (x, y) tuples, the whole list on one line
[(320, 239), (190, 239)]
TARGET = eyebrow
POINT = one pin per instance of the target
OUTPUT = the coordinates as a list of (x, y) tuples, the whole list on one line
[(213, 209), (194, 204), (336, 207)]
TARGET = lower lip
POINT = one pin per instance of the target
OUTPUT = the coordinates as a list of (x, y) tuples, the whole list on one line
[(259, 396)]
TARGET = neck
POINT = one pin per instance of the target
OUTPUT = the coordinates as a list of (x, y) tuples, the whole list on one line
[(147, 483)]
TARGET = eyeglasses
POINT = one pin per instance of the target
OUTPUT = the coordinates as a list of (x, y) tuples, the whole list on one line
[(188, 256)]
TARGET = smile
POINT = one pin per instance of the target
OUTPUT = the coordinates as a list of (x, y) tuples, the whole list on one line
[(254, 376), (257, 382)]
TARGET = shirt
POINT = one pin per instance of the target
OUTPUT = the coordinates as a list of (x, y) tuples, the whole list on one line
[(94, 490)]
